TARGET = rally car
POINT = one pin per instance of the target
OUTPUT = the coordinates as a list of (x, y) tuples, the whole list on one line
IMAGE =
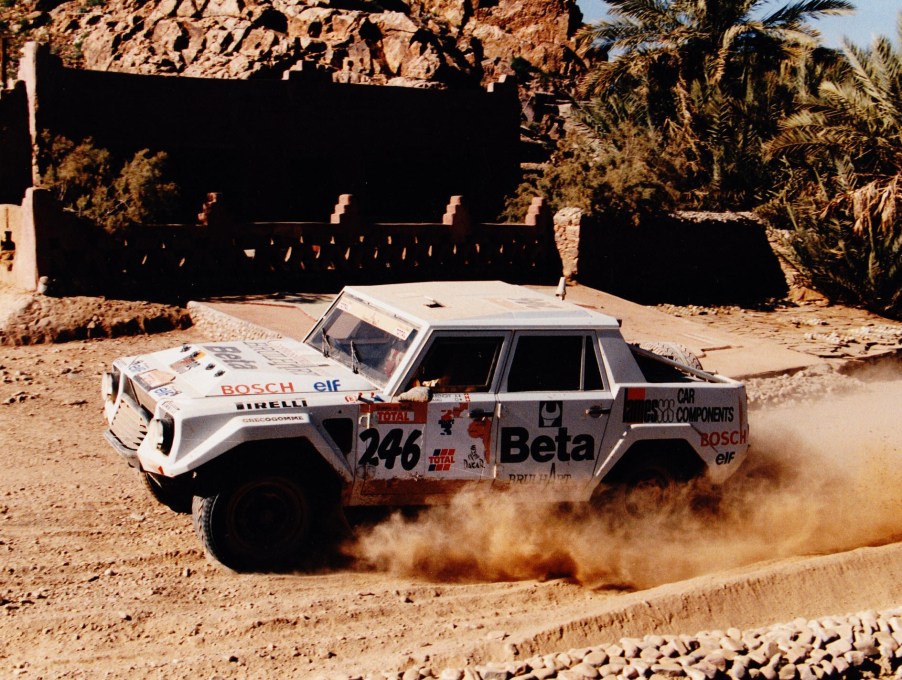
[(402, 395)]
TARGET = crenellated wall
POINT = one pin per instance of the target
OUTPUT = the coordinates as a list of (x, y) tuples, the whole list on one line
[(221, 255)]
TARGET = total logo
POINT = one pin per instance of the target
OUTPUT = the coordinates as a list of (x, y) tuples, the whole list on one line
[(441, 460), (516, 446)]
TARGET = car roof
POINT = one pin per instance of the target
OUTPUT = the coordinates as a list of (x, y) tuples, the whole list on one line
[(481, 304)]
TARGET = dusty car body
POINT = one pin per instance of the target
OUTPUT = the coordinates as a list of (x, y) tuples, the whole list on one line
[(405, 394)]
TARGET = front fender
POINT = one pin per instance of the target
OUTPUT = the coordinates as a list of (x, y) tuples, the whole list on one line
[(189, 455)]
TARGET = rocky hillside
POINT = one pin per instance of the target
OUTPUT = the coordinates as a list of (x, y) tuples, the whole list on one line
[(420, 43)]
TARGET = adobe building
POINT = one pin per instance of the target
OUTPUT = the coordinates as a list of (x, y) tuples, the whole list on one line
[(275, 149)]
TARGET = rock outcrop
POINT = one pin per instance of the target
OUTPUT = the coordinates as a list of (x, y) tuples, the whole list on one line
[(427, 43)]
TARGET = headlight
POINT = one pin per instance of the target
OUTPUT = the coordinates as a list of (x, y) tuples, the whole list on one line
[(160, 432), (109, 385)]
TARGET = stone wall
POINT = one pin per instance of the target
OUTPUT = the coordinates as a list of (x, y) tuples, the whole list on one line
[(222, 255), (686, 258), (285, 149)]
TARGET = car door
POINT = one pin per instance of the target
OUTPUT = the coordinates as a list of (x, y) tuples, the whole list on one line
[(442, 444), (553, 408)]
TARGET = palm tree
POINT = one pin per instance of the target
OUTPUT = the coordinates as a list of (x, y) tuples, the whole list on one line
[(713, 72), (845, 147), (702, 40)]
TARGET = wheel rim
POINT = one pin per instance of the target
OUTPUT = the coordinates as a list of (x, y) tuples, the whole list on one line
[(267, 517)]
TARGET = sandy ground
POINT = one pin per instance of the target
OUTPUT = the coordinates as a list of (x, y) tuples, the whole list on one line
[(96, 580)]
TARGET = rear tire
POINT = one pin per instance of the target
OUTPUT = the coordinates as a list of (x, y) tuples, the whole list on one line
[(257, 523)]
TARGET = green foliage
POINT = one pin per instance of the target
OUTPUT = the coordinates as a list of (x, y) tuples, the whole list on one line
[(842, 192), (717, 76), (85, 180), (618, 176)]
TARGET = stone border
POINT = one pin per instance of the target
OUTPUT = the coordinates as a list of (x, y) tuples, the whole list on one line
[(220, 326)]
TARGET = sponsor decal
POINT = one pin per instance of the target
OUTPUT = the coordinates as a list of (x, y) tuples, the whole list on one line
[(481, 428), (138, 366), (392, 412), (167, 391), (274, 419), (542, 477), (551, 413), (327, 385), (261, 405), (446, 421), (258, 388), (725, 438), (395, 417), (474, 461), (638, 409), (188, 362), (725, 458), (516, 446), (231, 357), (450, 396), (154, 378), (281, 359), (389, 447), (441, 460)]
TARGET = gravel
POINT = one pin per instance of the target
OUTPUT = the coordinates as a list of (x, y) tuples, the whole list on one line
[(863, 645)]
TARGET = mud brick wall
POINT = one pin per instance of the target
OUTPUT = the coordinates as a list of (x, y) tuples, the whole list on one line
[(285, 149), (222, 256), (687, 258)]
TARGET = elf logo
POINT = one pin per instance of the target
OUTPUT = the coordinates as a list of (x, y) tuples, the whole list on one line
[(517, 448)]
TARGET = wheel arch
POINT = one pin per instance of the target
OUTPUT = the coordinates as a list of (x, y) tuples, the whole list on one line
[(296, 456), (675, 453)]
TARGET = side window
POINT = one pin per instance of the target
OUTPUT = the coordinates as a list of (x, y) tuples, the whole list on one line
[(554, 363), (459, 364)]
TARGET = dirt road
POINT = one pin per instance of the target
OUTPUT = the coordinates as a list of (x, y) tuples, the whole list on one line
[(96, 580)]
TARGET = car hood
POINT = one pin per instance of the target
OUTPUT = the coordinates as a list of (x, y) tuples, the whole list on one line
[(250, 368)]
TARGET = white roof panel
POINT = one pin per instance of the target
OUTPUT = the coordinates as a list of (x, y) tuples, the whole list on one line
[(481, 304)]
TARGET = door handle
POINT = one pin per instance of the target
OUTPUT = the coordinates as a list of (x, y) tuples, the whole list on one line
[(479, 413), (598, 411)]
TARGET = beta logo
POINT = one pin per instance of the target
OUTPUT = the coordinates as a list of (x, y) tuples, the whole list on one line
[(441, 460), (551, 413), (327, 385), (517, 448), (231, 357)]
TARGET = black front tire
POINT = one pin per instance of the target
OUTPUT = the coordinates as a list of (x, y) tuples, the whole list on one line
[(175, 494), (258, 523)]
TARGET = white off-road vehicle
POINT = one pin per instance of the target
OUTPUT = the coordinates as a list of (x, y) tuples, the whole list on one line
[(402, 395)]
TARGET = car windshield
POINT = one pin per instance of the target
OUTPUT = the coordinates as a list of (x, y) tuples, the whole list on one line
[(367, 340)]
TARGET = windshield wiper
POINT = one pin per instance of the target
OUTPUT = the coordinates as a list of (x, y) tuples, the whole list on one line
[(327, 343)]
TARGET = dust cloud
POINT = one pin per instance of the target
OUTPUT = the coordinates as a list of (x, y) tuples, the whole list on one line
[(821, 477)]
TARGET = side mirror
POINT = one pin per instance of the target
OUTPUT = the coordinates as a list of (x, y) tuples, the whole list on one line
[(419, 394)]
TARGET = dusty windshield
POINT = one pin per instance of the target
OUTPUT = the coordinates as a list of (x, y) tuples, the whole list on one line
[(366, 339)]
